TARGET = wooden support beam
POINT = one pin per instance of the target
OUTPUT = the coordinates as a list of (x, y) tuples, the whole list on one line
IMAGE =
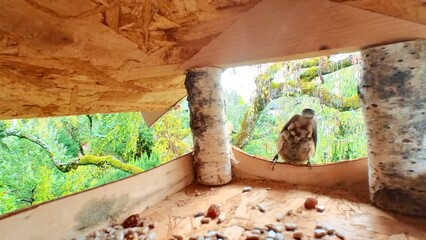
[(52, 87), (212, 153), (343, 174), (392, 91), (410, 10), (277, 30)]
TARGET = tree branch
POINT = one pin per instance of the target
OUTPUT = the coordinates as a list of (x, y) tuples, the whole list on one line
[(75, 162), (327, 98)]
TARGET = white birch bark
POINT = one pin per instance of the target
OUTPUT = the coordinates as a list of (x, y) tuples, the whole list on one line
[(393, 93), (212, 152)]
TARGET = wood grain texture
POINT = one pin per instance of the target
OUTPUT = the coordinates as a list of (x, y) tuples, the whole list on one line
[(116, 55), (40, 87), (80, 213), (276, 30), (343, 173), (411, 10)]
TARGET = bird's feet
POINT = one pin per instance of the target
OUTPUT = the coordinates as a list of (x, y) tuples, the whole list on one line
[(309, 164), (274, 161)]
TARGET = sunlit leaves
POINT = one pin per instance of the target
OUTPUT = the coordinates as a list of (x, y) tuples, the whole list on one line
[(172, 138)]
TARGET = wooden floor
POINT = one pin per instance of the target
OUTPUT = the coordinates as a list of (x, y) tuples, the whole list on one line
[(346, 210)]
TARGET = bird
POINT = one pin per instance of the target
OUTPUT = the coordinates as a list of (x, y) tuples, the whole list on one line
[(298, 139)]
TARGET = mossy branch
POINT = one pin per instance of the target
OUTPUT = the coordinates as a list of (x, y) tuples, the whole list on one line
[(316, 67), (108, 160), (75, 162), (314, 89)]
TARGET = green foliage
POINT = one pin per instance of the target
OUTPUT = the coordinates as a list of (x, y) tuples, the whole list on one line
[(310, 62), (28, 175), (172, 139), (145, 141), (309, 73), (341, 135)]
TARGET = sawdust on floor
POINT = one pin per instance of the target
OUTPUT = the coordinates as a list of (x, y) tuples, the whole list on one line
[(346, 210)]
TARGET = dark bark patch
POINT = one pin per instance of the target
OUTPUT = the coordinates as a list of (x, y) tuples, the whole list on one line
[(401, 200)]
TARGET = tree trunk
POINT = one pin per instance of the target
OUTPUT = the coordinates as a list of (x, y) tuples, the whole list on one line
[(212, 152), (393, 93)]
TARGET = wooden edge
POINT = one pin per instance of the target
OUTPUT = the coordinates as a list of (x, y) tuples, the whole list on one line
[(152, 117), (345, 173), (295, 29), (78, 214)]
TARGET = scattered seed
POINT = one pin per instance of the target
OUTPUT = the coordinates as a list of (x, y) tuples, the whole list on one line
[(178, 237), (205, 220), (319, 226), (279, 236), (131, 221), (329, 230), (118, 227), (198, 214), (275, 228), (220, 235), (339, 235), (210, 234), (213, 211), (290, 226), (261, 229), (151, 226), (320, 208), (151, 236), (271, 234), (193, 237), (221, 218), (319, 233), (247, 189), (252, 237), (310, 203), (279, 216), (298, 235), (256, 231), (261, 208)]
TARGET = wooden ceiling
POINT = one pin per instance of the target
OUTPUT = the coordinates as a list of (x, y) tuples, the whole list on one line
[(61, 57)]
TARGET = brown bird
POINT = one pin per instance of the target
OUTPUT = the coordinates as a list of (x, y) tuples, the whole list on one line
[(298, 139)]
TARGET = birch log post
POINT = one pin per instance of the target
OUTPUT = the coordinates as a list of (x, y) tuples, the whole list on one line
[(393, 93), (212, 152)]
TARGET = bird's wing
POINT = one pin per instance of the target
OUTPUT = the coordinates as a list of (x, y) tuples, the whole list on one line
[(314, 131), (293, 119)]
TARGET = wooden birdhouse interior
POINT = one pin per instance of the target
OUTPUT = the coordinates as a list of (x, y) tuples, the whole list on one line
[(83, 57)]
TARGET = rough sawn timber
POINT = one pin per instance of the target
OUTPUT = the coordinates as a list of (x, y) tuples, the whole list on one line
[(411, 10), (79, 57), (393, 94), (277, 30)]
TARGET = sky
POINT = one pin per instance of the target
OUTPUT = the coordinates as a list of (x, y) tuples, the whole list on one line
[(240, 79)]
